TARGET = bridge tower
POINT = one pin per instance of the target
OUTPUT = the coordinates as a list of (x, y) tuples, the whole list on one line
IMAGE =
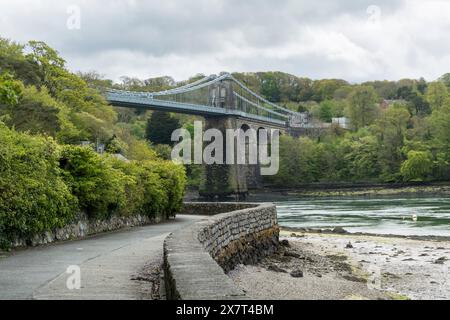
[(224, 180)]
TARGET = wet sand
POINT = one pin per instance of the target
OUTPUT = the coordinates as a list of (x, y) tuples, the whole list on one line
[(346, 266)]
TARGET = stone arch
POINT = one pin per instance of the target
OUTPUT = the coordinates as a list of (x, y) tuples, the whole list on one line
[(245, 127)]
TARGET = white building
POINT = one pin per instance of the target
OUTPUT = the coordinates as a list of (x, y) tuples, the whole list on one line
[(342, 122)]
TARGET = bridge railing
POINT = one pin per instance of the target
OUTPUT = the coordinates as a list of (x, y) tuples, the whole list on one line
[(206, 94)]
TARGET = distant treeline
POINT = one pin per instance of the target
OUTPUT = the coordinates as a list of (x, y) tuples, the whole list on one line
[(399, 130)]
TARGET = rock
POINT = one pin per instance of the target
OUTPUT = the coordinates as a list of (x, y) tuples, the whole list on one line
[(297, 273), (441, 260), (275, 268), (292, 254), (354, 278), (339, 230), (284, 243), (294, 235), (349, 246)]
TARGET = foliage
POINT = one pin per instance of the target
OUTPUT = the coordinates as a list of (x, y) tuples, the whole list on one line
[(270, 88), (163, 151), (160, 127), (418, 166), (33, 195), (437, 95), (38, 113), (10, 90), (297, 157), (99, 187), (105, 185), (87, 114), (362, 109), (152, 188), (43, 183), (173, 183), (326, 111), (445, 79)]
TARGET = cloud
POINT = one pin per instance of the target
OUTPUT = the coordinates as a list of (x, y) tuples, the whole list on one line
[(357, 41)]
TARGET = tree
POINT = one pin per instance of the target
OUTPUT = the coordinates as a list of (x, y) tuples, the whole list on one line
[(445, 79), (325, 89), (270, 88), (437, 95), (422, 86), (298, 159), (418, 166), (160, 127), (406, 93), (385, 89), (13, 61), (440, 129), (326, 111), (362, 106), (10, 90), (37, 112), (48, 62), (95, 80), (390, 130), (420, 106), (361, 158)]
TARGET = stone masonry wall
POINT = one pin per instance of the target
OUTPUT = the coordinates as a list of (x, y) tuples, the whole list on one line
[(196, 258), (213, 208), (82, 227)]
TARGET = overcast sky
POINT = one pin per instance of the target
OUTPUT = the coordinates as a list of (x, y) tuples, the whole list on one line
[(353, 40)]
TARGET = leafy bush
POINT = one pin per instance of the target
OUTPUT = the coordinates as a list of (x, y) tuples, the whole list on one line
[(153, 188), (99, 187), (173, 181), (105, 185), (418, 166), (33, 196), (10, 90)]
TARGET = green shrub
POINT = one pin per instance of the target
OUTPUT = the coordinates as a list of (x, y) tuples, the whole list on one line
[(99, 187), (418, 166), (153, 188), (173, 178), (33, 196)]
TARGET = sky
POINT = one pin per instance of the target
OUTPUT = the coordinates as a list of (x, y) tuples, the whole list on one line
[(353, 40)]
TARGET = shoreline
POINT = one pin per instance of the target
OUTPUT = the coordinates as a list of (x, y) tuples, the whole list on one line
[(343, 232), (273, 194), (347, 266), (369, 190)]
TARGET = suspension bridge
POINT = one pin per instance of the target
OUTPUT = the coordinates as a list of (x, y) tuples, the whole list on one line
[(210, 96), (225, 103)]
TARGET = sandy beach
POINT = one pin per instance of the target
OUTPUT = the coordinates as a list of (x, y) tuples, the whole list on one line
[(313, 266)]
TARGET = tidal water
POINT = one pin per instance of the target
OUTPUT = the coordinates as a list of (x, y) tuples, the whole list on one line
[(371, 215)]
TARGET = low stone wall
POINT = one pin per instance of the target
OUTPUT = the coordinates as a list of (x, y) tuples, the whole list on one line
[(213, 208), (82, 227), (196, 258)]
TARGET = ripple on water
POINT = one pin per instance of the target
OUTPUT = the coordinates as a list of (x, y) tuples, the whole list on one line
[(384, 216)]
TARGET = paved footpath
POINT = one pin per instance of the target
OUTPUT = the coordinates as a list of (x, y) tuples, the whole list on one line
[(107, 263)]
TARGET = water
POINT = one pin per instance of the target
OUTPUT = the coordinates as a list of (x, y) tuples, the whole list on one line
[(371, 215)]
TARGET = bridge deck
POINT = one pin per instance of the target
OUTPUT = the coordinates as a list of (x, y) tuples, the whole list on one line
[(143, 102)]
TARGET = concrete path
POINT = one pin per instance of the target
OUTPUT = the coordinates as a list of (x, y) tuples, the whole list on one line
[(107, 264)]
